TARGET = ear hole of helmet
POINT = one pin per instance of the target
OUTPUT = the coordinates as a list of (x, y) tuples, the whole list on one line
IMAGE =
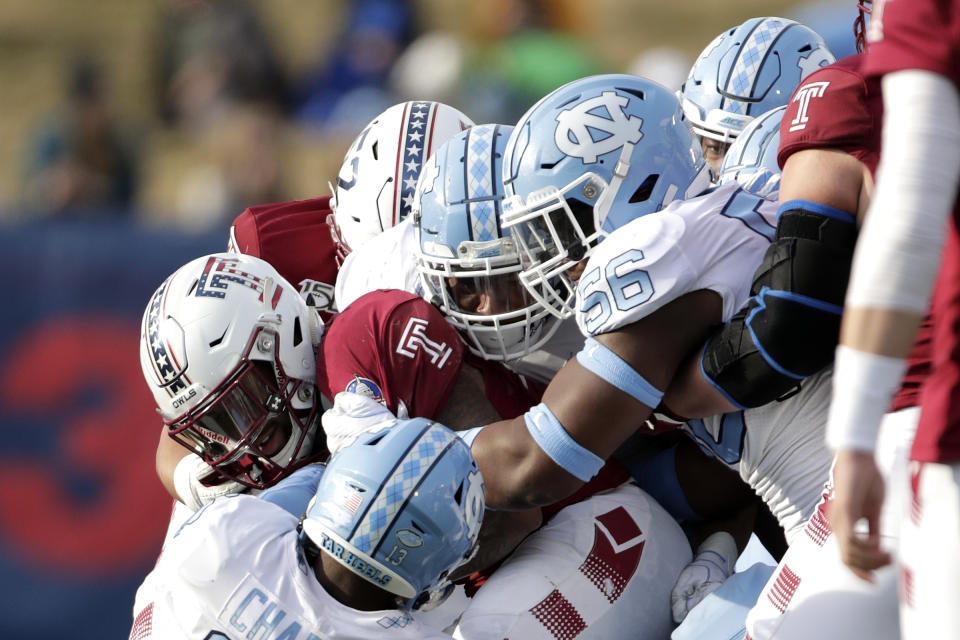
[(645, 190), (375, 149), (297, 332)]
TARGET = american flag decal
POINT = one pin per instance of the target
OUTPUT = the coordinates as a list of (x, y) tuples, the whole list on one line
[(219, 272), (353, 502), (169, 372), (416, 141)]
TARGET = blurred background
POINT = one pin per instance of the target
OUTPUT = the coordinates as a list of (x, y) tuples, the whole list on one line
[(131, 135)]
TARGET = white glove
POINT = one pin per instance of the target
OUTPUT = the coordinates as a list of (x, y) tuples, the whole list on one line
[(353, 414), (192, 492), (713, 564)]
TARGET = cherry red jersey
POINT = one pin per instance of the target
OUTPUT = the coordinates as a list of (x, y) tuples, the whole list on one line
[(293, 237), (396, 347), (839, 107), (938, 433), (915, 34), (925, 34)]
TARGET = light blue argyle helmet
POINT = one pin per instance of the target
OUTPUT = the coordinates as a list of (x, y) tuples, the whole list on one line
[(468, 264), (401, 508), (751, 160), (585, 160), (748, 70)]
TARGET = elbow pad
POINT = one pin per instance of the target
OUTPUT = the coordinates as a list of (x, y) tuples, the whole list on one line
[(790, 327)]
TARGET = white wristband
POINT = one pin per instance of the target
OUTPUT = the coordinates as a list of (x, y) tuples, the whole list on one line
[(192, 492), (863, 387)]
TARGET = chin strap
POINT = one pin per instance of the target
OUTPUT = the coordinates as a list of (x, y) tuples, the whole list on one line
[(605, 201)]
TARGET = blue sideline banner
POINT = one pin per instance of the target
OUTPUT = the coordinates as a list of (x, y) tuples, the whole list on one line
[(82, 514)]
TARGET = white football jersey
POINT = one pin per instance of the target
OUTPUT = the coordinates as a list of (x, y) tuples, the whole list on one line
[(601, 568), (778, 449), (715, 241), (235, 571), (387, 261)]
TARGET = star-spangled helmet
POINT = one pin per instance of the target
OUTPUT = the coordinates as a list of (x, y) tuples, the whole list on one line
[(401, 507), (585, 160), (748, 70), (464, 256), (751, 160), (375, 186), (227, 347)]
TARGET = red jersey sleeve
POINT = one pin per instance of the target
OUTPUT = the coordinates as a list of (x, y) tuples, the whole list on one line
[(394, 347), (293, 237), (915, 34), (835, 107)]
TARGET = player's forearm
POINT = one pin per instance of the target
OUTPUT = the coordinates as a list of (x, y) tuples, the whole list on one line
[(898, 252), (516, 472)]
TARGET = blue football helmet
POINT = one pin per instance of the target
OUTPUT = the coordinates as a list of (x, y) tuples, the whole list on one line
[(401, 507), (585, 160), (751, 160), (468, 264), (748, 70)]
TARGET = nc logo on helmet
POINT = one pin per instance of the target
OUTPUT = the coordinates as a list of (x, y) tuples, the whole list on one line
[(582, 132)]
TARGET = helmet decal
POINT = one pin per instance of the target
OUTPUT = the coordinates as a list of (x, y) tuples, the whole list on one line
[(597, 126), (169, 372), (483, 191), (743, 75)]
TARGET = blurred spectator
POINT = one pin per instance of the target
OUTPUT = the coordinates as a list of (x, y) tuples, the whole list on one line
[(351, 86), (667, 65), (512, 53), (212, 54), (79, 160)]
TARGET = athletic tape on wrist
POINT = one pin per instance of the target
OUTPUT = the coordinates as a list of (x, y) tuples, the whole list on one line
[(602, 361), (550, 436), (863, 387)]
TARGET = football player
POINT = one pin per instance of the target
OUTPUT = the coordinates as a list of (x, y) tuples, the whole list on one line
[(390, 517), (744, 72), (751, 160), (306, 243), (830, 147), (914, 47)]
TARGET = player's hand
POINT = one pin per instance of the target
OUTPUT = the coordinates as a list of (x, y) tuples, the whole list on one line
[(858, 494), (351, 415), (191, 491), (713, 564)]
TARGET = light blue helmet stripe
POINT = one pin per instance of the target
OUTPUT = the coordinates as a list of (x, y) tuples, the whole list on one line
[(743, 76), (480, 187), (399, 486)]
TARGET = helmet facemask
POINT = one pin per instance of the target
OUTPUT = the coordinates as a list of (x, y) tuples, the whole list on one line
[(258, 424), (556, 229), (481, 296)]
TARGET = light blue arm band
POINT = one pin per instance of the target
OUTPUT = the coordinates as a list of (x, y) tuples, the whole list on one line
[(602, 361), (469, 435), (550, 435)]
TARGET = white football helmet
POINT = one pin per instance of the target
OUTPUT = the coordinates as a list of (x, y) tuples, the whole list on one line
[(376, 182), (227, 347)]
